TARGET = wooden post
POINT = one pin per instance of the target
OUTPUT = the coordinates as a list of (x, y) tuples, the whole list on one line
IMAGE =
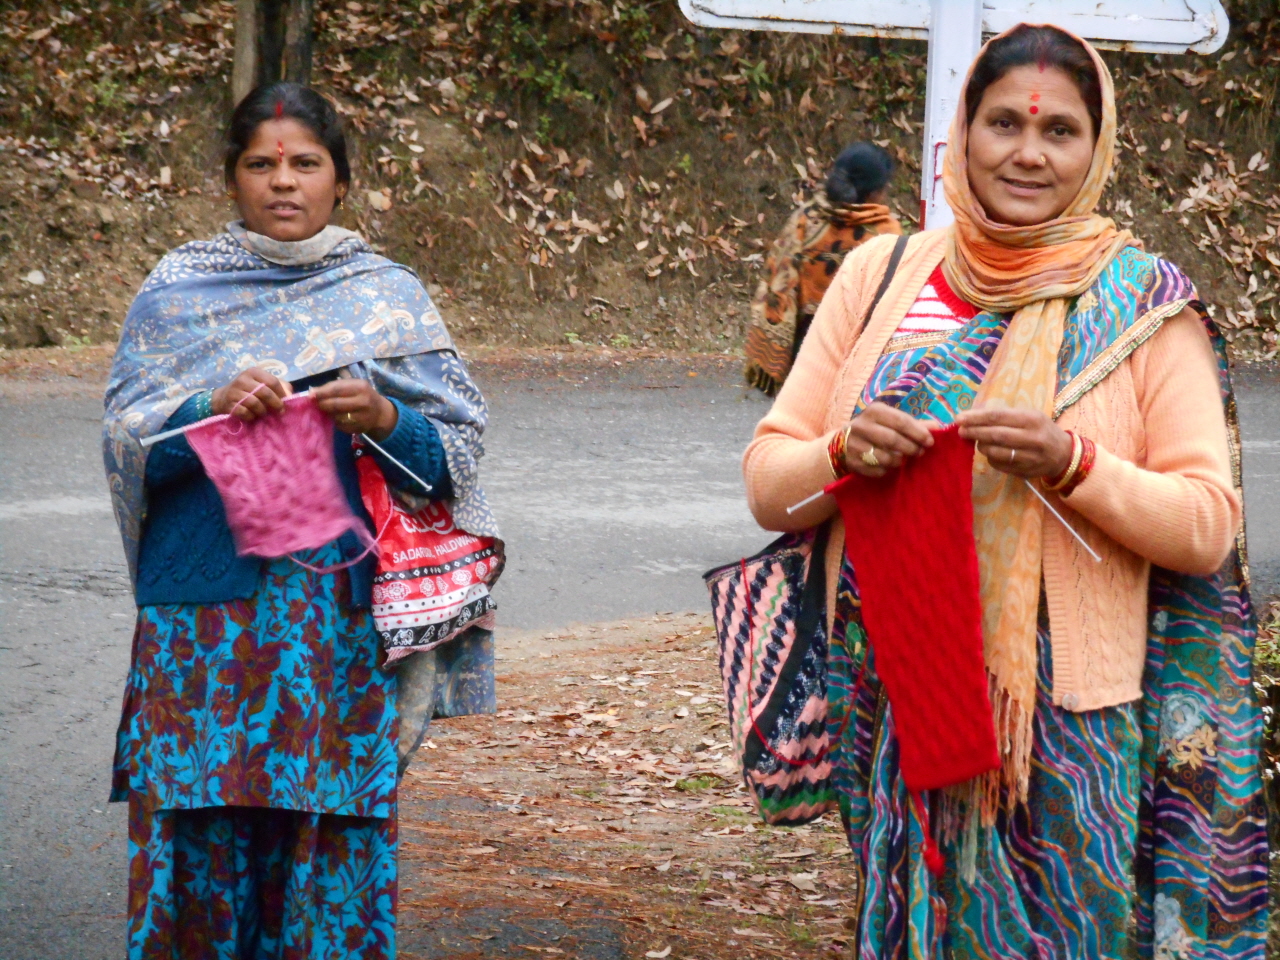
[(273, 42), (298, 34), (244, 68)]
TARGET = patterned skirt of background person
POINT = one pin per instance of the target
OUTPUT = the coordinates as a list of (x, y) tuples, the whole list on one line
[(257, 753), (1144, 820)]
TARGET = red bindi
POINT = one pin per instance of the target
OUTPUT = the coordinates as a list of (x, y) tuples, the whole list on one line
[(1034, 109)]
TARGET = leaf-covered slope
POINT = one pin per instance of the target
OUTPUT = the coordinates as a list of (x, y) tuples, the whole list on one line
[(561, 169)]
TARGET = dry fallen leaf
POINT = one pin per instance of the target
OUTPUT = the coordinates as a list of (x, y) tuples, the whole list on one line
[(803, 881), (379, 200), (659, 954), (478, 851)]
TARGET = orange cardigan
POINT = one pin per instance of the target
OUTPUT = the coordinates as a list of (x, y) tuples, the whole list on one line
[(1161, 490)]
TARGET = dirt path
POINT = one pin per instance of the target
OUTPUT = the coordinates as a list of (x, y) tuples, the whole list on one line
[(599, 815)]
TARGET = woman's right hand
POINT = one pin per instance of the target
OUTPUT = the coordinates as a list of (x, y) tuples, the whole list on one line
[(239, 398), (892, 434)]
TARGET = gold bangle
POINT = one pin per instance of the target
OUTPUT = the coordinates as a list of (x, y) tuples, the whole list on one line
[(1077, 452)]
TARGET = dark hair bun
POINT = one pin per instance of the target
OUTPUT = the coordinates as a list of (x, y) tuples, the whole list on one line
[(861, 169), (1043, 47), (274, 101)]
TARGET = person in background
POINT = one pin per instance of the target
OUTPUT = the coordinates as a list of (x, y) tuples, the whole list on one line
[(843, 215), (262, 732)]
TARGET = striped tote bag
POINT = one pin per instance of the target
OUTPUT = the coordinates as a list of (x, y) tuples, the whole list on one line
[(769, 612)]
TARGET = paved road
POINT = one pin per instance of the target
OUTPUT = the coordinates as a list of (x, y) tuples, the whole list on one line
[(616, 488)]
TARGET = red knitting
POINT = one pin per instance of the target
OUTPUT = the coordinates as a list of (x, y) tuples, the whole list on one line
[(909, 536)]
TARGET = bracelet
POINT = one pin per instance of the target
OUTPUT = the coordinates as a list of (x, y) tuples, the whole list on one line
[(1062, 479), (1088, 456), (836, 453)]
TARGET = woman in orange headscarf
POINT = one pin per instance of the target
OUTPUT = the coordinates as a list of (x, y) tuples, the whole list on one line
[(1128, 799)]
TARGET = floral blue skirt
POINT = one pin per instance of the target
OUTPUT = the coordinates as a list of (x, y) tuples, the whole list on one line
[(257, 751)]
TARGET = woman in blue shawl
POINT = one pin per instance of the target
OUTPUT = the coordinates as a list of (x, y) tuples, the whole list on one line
[(261, 736)]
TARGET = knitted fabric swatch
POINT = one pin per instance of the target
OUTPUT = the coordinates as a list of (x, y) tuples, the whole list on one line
[(277, 478), (909, 536)]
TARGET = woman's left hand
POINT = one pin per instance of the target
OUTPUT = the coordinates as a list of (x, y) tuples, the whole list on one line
[(1024, 443), (356, 407)]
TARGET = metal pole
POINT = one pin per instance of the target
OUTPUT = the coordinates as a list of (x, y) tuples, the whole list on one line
[(955, 36)]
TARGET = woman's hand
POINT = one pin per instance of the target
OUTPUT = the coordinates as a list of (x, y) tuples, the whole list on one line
[(1024, 443), (892, 434), (251, 395), (356, 407)]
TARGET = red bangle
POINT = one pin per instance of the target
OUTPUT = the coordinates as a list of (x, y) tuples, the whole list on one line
[(836, 453), (1087, 458)]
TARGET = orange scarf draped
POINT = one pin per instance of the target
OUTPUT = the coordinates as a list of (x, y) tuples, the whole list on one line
[(1032, 272)]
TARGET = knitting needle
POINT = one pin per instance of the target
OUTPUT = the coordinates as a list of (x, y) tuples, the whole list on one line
[(1071, 531), (425, 486), (156, 438), (822, 493), (148, 441), (805, 502)]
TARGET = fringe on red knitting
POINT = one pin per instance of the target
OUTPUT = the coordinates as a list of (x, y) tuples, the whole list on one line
[(978, 802)]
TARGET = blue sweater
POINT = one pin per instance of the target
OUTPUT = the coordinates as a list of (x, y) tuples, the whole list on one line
[(187, 555)]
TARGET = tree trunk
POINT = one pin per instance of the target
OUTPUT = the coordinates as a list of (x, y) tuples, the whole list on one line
[(271, 40), (298, 34), (244, 69), (273, 43)]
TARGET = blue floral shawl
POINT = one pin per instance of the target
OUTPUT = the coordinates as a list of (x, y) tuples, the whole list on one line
[(213, 308)]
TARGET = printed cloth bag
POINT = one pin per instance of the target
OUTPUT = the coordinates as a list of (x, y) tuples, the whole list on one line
[(432, 580), (770, 617), (769, 611)]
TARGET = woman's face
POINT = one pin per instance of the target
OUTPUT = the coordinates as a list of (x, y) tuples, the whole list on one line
[(285, 182), (1030, 146)]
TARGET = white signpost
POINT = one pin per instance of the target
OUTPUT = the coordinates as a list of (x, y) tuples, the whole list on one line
[(954, 29)]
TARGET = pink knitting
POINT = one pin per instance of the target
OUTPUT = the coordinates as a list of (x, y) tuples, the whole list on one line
[(277, 478)]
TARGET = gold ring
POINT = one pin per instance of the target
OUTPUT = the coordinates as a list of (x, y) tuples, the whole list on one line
[(868, 456), (348, 417)]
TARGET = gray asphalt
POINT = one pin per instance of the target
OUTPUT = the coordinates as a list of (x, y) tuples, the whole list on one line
[(616, 489)]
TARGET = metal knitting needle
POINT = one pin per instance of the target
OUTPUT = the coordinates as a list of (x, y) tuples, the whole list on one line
[(1071, 531), (805, 502), (156, 438), (822, 493), (425, 486), (148, 441)]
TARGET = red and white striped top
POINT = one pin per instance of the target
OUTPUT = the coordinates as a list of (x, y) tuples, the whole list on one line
[(938, 310)]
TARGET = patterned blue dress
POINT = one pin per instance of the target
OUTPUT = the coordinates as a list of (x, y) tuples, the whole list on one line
[(258, 743), (1145, 831)]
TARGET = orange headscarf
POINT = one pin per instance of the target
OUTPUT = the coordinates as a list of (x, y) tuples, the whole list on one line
[(1031, 272)]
